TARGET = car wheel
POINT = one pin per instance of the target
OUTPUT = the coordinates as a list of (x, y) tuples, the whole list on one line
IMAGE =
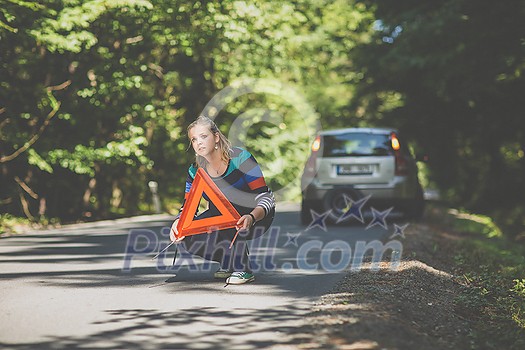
[(336, 201)]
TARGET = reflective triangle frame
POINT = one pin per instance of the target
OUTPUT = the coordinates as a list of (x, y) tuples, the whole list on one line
[(228, 217)]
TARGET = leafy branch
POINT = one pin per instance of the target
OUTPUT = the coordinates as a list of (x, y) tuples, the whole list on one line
[(55, 107)]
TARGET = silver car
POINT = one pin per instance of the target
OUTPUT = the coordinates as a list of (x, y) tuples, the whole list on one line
[(369, 164)]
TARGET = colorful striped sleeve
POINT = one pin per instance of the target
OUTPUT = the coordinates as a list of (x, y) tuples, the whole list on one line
[(255, 179)]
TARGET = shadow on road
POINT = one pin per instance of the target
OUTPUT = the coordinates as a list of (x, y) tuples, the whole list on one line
[(142, 328), (177, 309), (94, 258)]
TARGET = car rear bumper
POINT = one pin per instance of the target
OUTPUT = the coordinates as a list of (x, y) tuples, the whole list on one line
[(398, 189)]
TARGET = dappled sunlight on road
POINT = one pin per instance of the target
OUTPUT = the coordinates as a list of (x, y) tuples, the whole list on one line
[(68, 288)]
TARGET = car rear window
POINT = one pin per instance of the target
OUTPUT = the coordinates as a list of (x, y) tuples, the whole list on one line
[(356, 144)]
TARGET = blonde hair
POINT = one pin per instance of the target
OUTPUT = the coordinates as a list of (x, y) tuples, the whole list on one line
[(224, 145)]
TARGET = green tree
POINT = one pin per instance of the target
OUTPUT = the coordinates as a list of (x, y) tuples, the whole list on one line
[(450, 75), (96, 96)]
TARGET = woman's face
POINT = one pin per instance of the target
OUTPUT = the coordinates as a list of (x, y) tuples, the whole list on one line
[(203, 140)]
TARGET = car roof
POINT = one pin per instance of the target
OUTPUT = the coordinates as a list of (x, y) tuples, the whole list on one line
[(377, 131)]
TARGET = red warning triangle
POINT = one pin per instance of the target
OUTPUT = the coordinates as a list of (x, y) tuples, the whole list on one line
[(187, 224)]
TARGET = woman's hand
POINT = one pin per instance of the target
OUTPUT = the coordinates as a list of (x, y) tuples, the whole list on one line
[(174, 232), (245, 222)]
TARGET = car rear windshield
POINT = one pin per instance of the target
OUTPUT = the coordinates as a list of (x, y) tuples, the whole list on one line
[(356, 144)]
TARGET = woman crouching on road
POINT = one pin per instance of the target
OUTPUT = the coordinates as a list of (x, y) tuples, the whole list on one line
[(238, 175)]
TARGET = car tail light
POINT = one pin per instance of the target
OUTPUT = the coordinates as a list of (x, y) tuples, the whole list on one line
[(395, 142), (316, 144), (310, 168), (401, 162)]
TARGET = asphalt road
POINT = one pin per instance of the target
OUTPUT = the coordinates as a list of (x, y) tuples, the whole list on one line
[(95, 286)]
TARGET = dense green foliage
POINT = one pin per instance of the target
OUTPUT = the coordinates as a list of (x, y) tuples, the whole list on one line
[(95, 95), (450, 74)]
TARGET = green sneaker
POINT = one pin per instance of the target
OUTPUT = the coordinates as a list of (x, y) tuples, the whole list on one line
[(222, 273), (240, 278)]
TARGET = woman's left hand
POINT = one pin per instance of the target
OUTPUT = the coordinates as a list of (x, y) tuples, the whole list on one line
[(245, 222)]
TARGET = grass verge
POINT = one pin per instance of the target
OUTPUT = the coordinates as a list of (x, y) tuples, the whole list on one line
[(12, 225), (493, 269)]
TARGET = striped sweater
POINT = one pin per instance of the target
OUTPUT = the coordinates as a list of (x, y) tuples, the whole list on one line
[(242, 183)]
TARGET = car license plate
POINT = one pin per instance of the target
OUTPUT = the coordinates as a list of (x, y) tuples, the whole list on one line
[(354, 169)]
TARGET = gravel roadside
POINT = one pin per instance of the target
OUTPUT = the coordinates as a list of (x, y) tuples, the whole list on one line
[(412, 307)]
